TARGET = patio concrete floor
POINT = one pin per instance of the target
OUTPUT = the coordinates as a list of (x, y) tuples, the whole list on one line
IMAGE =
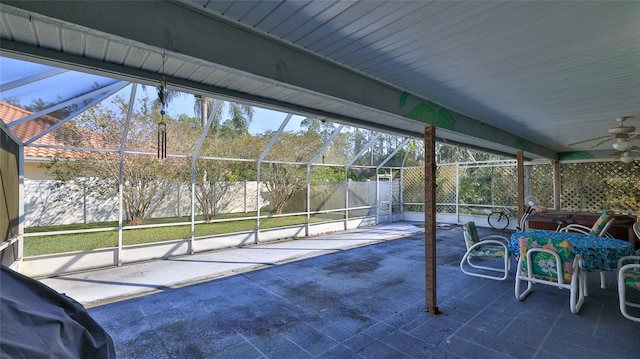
[(284, 300)]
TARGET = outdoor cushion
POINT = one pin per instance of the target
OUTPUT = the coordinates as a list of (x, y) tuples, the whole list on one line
[(544, 264), (632, 279), (602, 221), (488, 250)]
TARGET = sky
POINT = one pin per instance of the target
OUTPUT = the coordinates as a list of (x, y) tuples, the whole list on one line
[(66, 85), (263, 119)]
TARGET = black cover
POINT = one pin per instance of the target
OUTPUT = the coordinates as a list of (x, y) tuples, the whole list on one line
[(38, 322)]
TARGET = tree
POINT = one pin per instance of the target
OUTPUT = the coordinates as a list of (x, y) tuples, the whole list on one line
[(283, 180), (240, 116), (147, 180), (213, 178)]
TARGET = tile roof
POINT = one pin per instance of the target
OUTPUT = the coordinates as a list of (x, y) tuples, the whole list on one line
[(27, 130)]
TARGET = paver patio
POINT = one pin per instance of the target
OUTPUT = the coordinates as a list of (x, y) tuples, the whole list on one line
[(368, 302)]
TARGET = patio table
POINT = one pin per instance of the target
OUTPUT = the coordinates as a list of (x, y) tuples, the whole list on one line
[(598, 253)]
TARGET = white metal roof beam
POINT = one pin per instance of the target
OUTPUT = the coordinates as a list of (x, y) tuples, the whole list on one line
[(187, 28), (31, 79)]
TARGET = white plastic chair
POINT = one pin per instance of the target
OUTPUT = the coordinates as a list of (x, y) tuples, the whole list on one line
[(599, 229), (489, 247), (628, 278), (636, 229), (551, 262)]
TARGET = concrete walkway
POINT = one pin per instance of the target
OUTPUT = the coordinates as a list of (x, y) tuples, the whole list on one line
[(116, 283)]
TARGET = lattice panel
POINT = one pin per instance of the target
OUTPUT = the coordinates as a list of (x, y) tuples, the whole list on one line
[(504, 186), (598, 186), (446, 184), (413, 185), (542, 184)]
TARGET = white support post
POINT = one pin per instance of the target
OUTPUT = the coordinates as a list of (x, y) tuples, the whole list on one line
[(306, 227), (194, 157), (123, 146), (346, 198), (311, 162), (118, 258), (260, 159), (21, 212), (457, 193), (377, 197), (346, 177)]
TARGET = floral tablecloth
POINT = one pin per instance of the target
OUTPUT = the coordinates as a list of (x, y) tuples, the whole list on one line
[(598, 253)]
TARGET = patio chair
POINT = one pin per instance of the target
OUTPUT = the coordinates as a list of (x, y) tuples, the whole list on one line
[(482, 249), (551, 262), (628, 278), (636, 229), (599, 229)]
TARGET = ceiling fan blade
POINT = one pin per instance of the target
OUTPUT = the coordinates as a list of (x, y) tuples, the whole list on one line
[(600, 142), (589, 140)]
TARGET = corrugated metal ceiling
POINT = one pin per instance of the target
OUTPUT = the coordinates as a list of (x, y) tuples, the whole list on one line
[(556, 72)]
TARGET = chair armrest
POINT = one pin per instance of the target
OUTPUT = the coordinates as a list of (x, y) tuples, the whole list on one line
[(495, 237), (489, 241), (574, 227), (627, 267), (577, 263), (621, 261)]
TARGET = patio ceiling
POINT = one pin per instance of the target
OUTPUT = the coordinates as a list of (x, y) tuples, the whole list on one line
[(509, 76)]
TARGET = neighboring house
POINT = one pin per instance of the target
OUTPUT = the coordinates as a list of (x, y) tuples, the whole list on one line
[(41, 193), (34, 157)]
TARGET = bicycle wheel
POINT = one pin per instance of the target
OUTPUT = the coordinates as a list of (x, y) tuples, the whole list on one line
[(498, 220)]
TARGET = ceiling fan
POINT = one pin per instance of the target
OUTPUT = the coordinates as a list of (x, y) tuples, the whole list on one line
[(626, 156), (621, 134)]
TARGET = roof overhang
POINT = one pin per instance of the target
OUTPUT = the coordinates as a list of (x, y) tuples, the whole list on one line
[(209, 55)]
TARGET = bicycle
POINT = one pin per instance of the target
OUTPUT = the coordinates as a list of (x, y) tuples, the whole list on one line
[(499, 219)]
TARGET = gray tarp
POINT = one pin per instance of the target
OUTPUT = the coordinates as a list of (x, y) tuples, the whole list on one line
[(38, 322)]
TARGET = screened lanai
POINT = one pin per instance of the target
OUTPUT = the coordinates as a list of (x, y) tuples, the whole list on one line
[(110, 158), (101, 159), (515, 78)]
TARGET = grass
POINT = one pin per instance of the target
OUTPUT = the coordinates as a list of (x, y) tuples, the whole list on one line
[(60, 243)]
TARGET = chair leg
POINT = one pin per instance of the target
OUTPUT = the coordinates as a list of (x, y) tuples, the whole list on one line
[(521, 296), (603, 281), (577, 293), (621, 297), (466, 260), (583, 284)]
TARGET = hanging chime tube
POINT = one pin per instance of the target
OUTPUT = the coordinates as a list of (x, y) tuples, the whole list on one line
[(162, 139)]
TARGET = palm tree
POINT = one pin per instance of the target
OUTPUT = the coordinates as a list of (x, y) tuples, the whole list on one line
[(241, 114)]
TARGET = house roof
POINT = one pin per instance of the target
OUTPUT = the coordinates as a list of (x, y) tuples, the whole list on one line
[(29, 129)]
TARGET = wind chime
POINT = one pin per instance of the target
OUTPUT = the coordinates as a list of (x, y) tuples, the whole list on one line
[(162, 126)]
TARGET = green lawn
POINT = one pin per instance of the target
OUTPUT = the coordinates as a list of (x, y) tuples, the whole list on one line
[(38, 245)]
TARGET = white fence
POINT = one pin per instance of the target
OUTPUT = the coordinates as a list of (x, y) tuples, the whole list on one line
[(47, 203)]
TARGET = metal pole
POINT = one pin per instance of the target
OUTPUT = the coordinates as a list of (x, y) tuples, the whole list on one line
[(260, 159), (123, 145), (196, 151), (431, 303), (457, 193)]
